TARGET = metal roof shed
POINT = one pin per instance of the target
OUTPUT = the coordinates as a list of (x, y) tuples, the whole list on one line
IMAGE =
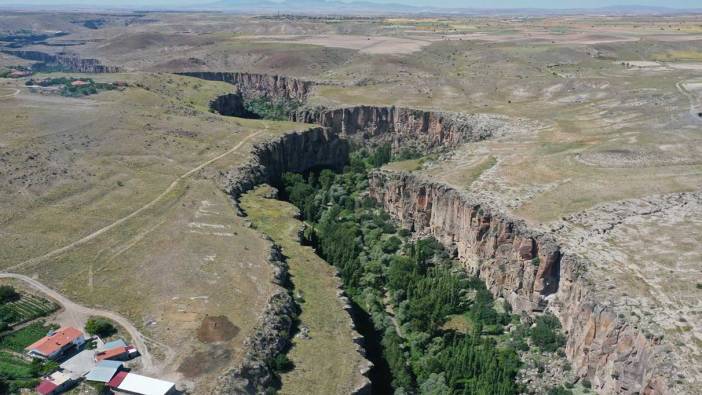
[(104, 371), (114, 344), (143, 385)]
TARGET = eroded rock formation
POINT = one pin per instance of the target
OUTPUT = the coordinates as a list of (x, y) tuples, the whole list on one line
[(260, 84), (531, 271), (296, 152), (271, 337), (428, 130), (526, 267), (66, 62)]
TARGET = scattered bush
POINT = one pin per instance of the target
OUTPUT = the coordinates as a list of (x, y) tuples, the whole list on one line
[(545, 334), (281, 363), (8, 294), (100, 327)]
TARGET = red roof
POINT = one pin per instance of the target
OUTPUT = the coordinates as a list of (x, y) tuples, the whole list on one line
[(117, 379), (55, 342), (112, 353), (46, 387)]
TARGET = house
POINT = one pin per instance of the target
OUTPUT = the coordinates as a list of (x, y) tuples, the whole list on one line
[(46, 387), (56, 343), (57, 383), (19, 74), (132, 383), (113, 344), (80, 83), (104, 371), (121, 353), (115, 354)]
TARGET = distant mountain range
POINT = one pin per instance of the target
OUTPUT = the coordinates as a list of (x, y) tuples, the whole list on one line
[(336, 7), (326, 7)]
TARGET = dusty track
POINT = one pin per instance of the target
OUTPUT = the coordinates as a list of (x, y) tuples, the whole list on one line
[(16, 92), (138, 211), (694, 101), (76, 315)]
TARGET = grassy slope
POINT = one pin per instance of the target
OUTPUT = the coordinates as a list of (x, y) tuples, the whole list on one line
[(327, 363), (184, 258)]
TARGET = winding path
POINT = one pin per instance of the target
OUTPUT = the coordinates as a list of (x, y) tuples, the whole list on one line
[(15, 93), (77, 315), (695, 108), (138, 211)]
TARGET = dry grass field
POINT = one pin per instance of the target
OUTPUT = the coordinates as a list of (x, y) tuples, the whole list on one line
[(117, 179), (605, 134), (326, 360)]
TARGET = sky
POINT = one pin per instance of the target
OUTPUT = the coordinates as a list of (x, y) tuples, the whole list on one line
[(432, 3)]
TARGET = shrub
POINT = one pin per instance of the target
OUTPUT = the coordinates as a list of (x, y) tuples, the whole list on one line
[(8, 294), (559, 391), (281, 363), (545, 333), (100, 327)]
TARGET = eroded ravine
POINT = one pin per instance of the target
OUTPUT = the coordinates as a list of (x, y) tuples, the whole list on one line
[(613, 355)]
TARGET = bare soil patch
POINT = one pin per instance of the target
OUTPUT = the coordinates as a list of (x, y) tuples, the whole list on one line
[(202, 362), (216, 329)]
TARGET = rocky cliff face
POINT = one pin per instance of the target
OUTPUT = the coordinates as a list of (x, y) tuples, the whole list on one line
[(232, 105), (427, 130), (531, 271), (270, 338), (66, 62), (260, 84), (296, 152)]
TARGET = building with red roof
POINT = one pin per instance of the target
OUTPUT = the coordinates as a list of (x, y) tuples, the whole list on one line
[(46, 387), (117, 379), (115, 354), (56, 343)]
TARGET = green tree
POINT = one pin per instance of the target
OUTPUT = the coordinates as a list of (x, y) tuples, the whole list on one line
[(8, 294), (100, 327)]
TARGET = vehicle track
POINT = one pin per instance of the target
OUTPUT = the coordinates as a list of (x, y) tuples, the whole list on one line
[(133, 214), (694, 101), (77, 315), (15, 93)]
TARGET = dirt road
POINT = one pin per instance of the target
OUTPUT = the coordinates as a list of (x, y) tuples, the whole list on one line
[(695, 107), (140, 210), (15, 93), (76, 315)]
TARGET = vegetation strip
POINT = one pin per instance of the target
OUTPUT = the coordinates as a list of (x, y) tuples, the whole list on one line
[(411, 289)]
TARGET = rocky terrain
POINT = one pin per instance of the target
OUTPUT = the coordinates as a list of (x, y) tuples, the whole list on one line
[(562, 172)]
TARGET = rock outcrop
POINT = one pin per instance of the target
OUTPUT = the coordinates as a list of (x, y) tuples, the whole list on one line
[(292, 152), (296, 152), (232, 104), (427, 130), (260, 84), (271, 337), (530, 270), (64, 62)]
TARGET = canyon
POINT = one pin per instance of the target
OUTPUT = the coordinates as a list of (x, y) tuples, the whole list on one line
[(546, 162), (528, 268)]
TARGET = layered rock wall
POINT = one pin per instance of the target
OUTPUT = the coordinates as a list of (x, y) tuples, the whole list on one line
[(292, 152), (296, 152), (427, 130), (529, 270), (67, 62), (260, 84)]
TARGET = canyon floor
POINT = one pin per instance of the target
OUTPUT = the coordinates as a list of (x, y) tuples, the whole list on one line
[(116, 200)]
